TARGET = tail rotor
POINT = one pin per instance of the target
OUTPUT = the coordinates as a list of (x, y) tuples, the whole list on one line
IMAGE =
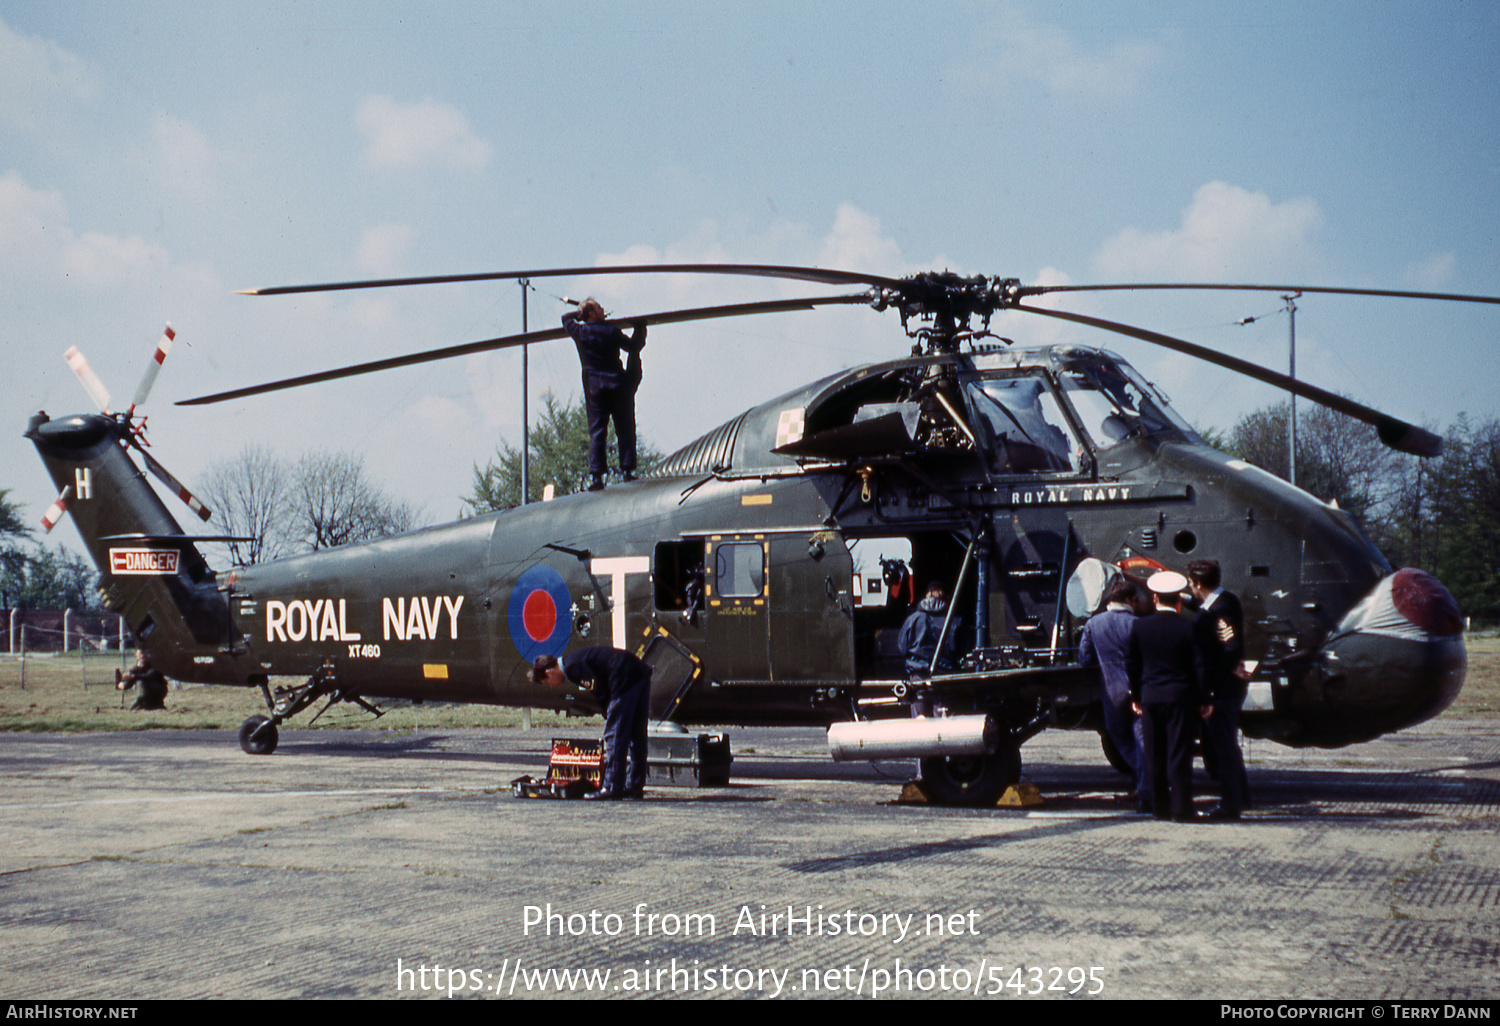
[(132, 426)]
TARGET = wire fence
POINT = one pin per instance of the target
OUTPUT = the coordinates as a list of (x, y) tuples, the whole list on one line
[(61, 630), (96, 645)]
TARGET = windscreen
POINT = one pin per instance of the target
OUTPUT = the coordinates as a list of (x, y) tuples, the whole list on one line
[(1022, 425), (1113, 402)]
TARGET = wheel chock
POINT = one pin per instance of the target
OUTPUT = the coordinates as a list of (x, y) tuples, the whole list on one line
[(1022, 795)]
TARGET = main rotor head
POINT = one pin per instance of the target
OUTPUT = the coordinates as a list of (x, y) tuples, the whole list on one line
[(945, 304)]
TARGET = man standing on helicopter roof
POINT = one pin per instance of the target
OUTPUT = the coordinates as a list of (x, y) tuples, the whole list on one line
[(608, 387)]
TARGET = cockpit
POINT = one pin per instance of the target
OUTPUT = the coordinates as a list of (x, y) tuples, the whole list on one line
[(1022, 413)]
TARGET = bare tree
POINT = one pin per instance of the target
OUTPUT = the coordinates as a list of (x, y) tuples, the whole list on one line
[(250, 497), (333, 504), (1339, 459), (282, 508)]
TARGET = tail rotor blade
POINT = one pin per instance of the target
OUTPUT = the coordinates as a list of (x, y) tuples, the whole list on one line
[(163, 347), (90, 381), (177, 487), (56, 510)]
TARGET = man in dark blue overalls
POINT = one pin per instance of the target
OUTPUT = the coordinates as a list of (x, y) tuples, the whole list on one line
[(622, 684), (608, 387)]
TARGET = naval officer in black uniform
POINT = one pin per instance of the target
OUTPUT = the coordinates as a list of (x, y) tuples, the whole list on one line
[(622, 684), (1164, 661), (608, 387), (1221, 624)]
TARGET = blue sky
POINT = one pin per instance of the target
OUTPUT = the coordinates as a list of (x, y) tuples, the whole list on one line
[(156, 157)]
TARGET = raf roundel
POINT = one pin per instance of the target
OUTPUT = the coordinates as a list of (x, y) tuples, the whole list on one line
[(539, 613)]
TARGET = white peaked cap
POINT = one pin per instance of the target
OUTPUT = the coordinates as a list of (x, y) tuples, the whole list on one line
[(1167, 582)]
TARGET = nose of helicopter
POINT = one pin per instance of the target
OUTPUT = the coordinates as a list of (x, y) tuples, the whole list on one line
[(1397, 658)]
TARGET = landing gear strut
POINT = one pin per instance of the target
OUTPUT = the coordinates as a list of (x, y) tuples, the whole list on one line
[(258, 734)]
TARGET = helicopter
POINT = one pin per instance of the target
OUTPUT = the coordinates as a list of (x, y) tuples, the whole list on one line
[(764, 570)]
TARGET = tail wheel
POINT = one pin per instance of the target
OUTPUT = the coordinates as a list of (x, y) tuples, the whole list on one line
[(971, 780), (258, 736)]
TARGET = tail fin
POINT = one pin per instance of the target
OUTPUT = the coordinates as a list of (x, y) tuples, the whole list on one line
[(152, 574)]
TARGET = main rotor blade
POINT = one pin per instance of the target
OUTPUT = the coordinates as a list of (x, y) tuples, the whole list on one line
[(815, 274), (1038, 290), (1395, 433), (510, 341)]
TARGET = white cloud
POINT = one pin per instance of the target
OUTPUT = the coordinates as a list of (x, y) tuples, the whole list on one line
[(38, 246), (108, 260), (38, 80), (855, 243), (382, 247), (1015, 49), (411, 134), (30, 220), (182, 158), (1226, 230), (1432, 273)]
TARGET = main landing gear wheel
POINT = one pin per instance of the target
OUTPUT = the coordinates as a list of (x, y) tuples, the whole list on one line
[(258, 736), (972, 780)]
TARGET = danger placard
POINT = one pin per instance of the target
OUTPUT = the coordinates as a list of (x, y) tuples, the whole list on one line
[(143, 561)]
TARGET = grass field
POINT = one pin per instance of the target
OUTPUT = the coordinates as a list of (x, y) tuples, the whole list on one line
[(56, 698), (70, 693)]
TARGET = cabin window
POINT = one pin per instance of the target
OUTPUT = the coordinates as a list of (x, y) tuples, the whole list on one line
[(739, 570)]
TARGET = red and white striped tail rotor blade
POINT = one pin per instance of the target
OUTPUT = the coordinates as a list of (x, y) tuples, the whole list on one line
[(90, 381), (56, 510), (163, 347), (177, 488)]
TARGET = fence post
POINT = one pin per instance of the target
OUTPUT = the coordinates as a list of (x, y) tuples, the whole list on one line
[(23, 657), (67, 621)]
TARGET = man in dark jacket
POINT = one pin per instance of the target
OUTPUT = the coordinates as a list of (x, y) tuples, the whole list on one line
[(1164, 661), (608, 388), (153, 683), (918, 638), (622, 684), (1104, 641), (1221, 626)]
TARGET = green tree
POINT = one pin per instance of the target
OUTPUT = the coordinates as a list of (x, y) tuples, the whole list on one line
[(13, 557), (559, 457), (1447, 517), (44, 578), (11, 524)]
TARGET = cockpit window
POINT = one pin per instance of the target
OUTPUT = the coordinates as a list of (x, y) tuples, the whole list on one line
[(1022, 426), (1114, 402)]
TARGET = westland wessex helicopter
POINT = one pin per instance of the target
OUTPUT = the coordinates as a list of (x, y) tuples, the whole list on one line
[(743, 568)]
